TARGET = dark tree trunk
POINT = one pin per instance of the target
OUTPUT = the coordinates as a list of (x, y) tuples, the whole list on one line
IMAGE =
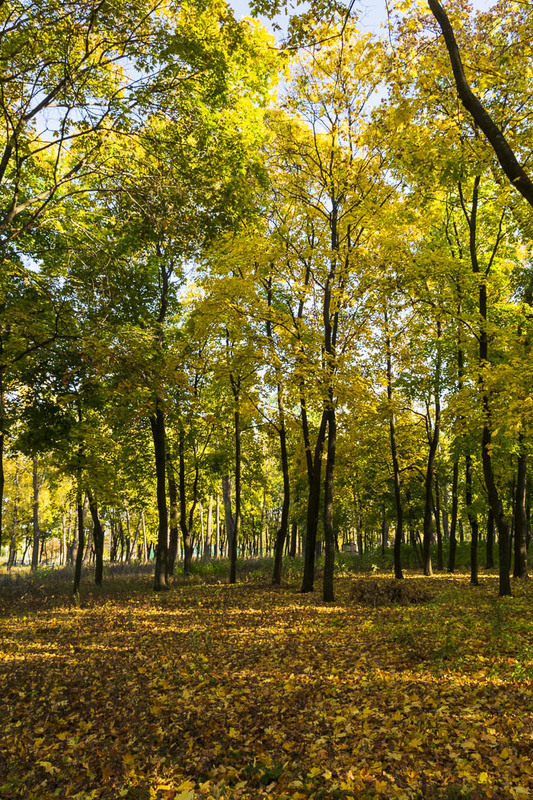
[(185, 530), (329, 536), (433, 438), (428, 503), (438, 526), (490, 540), (398, 533), (313, 508), (495, 502), (294, 540), (98, 538), (281, 535), (157, 422), (228, 512), (284, 525), (2, 435), (174, 521), (504, 153), (520, 516), (453, 521), (472, 519), (236, 388)]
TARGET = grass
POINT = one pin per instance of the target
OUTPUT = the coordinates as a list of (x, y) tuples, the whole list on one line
[(252, 691)]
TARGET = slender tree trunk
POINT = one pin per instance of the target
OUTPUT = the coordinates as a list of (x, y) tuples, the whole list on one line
[(36, 531), (433, 438), (81, 538), (98, 537), (157, 422), (145, 542), (2, 435), (453, 521), (294, 540), (398, 534), (236, 389), (13, 542), (520, 516), (185, 530), (329, 537), (474, 527), (313, 507), (174, 522), (209, 530), (438, 526), (428, 504), (282, 532), (228, 513), (281, 535), (490, 539), (217, 526)]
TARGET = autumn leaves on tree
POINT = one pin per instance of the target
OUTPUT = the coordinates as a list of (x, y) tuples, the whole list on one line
[(309, 306)]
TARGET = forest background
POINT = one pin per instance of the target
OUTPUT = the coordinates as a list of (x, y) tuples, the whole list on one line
[(261, 298)]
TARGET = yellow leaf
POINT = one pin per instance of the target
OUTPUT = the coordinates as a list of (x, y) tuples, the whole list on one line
[(483, 777)]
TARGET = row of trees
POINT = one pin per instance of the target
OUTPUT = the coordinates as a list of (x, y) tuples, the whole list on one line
[(315, 304)]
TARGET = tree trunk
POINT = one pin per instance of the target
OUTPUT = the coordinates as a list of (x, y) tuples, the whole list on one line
[(185, 530), (428, 503), (294, 540), (36, 532), (2, 435), (228, 513), (504, 153), (98, 537), (284, 525), (490, 540), (438, 526), (313, 507), (398, 534), (472, 519), (433, 438), (453, 521), (520, 516), (217, 526), (157, 422), (81, 539), (13, 541), (209, 530), (236, 388), (174, 523), (329, 537)]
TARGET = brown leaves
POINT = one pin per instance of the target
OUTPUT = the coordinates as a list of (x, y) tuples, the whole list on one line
[(241, 692)]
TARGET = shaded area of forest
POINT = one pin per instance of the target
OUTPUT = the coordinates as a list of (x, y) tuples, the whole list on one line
[(219, 691)]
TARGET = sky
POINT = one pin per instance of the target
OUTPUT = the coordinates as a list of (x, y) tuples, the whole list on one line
[(372, 13)]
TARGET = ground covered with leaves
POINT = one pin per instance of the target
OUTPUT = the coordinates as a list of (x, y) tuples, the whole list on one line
[(213, 691)]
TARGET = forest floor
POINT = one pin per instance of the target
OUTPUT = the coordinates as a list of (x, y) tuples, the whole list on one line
[(250, 691)]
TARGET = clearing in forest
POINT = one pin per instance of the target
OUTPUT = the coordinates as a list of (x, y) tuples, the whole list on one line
[(246, 691)]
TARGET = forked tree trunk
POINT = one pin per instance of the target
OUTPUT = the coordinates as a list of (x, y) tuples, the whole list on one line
[(98, 538)]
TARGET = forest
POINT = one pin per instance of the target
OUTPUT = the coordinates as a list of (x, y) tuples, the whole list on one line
[(266, 400), (263, 297)]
